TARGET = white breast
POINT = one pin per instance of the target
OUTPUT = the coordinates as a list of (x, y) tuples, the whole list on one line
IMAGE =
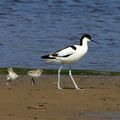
[(13, 75)]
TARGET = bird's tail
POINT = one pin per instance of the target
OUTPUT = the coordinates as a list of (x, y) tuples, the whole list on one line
[(48, 57)]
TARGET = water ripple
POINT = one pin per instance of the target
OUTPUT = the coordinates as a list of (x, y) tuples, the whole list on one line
[(31, 28)]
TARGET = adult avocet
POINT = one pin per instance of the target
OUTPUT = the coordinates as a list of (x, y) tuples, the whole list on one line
[(11, 75), (69, 55)]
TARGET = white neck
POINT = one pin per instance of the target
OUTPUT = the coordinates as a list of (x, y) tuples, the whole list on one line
[(85, 42)]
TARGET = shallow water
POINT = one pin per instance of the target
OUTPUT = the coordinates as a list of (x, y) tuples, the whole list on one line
[(32, 28)]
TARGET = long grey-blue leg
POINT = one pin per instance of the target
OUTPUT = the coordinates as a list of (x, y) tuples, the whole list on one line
[(59, 71), (70, 74)]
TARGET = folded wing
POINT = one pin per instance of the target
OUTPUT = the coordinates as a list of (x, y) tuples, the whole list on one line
[(66, 52), (61, 53)]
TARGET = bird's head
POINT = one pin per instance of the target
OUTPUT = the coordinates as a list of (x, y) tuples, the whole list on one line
[(10, 70), (86, 38)]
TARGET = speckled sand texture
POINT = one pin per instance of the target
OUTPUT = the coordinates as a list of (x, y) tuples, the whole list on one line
[(99, 101)]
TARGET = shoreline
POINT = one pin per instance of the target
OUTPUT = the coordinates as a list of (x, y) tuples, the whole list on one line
[(99, 101), (23, 71)]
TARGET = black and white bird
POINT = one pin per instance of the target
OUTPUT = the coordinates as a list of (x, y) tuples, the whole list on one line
[(69, 55)]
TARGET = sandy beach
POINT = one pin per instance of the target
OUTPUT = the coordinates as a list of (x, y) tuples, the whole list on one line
[(100, 99)]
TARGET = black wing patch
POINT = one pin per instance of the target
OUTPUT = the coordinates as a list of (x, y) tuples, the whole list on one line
[(56, 55), (67, 55), (73, 47)]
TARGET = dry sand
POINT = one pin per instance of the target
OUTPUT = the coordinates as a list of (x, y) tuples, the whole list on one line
[(99, 101)]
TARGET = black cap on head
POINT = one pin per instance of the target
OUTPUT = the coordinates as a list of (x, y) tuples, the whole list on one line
[(86, 35), (83, 36)]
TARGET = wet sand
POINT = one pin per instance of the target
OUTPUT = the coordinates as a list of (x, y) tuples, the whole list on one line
[(99, 101)]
